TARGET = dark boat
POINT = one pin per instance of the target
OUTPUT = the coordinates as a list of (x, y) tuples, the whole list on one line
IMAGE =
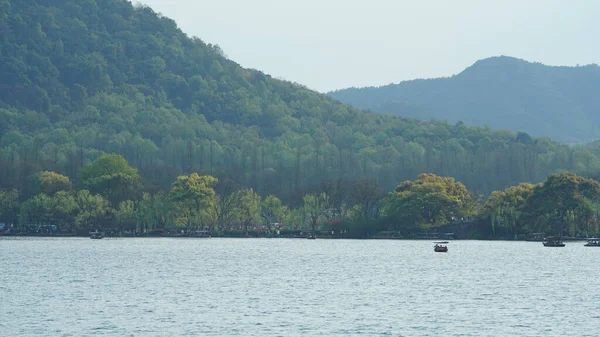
[(440, 247), (593, 242), (96, 235), (553, 241)]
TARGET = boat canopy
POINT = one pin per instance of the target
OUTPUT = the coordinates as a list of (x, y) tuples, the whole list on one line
[(441, 242)]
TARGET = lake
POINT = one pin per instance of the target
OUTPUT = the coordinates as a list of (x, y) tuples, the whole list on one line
[(295, 287)]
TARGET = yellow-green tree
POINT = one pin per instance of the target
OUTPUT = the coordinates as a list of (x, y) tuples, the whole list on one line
[(59, 209), (315, 206), (273, 210), (564, 203), (126, 215), (153, 211), (111, 176), (93, 210), (191, 195), (52, 182), (503, 210), (248, 208), (428, 201)]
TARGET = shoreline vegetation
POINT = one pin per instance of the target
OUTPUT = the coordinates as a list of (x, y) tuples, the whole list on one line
[(300, 235), (111, 199)]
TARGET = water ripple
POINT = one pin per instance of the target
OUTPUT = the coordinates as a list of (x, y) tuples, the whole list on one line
[(236, 287)]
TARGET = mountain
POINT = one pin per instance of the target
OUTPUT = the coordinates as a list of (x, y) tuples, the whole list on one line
[(502, 92), (85, 77)]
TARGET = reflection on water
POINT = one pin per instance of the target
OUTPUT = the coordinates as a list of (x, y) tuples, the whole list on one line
[(271, 287)]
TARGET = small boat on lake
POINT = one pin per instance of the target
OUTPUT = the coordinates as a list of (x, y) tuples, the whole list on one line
[(593, 242), (96, 235), (553, 241), (440, 247)]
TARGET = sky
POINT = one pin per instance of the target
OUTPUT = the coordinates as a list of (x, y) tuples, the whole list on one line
[(335, 44)]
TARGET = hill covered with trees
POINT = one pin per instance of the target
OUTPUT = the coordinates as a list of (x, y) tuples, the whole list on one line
[(501, 92), (84, 78)]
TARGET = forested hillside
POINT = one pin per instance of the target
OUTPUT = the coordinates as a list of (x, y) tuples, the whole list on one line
[(85, 77), (501, 92)]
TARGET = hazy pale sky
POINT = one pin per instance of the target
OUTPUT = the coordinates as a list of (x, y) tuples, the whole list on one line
[(334, 44)]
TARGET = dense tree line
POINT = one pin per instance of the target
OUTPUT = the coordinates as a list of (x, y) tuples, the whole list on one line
[(111, 197), (83, 78), (502, 92)]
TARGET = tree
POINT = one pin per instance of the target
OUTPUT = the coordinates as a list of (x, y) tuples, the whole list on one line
[(9, 206), (153, 211), (37, 210), (59, 210), (429, 201), (365, 194), (564, 203), (226, 201), (273, 210), (315, 206), (337, 194), (503, 210), (93, 211), (63, 210), (126, 215), (248, 208), (111, 176), (192, 194), (49, 183)]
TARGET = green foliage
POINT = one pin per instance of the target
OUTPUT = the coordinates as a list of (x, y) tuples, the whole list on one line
[(153, 211), (108, 165), (365, 195), (273, 210), (226, 201), (503, 209), (126, 215), (315, 206), (111, 176), (51, 182), (429, 201), (248, 208), (564, 203), (59, 209), (9, 206), (502, 92), (191, 195), (94, 211)]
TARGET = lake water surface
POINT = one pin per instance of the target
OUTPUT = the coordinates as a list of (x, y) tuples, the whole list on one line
[(286, 287)]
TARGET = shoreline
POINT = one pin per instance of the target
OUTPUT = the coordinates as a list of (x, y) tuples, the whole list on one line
[(569, 239)]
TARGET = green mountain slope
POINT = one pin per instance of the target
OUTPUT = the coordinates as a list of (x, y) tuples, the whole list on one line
[(80, 78), (502, 92)]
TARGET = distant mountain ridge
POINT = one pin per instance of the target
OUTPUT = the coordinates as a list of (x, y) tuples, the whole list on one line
[(501, 92)]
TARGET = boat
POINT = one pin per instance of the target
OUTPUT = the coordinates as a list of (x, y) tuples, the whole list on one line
[(593, 242), (553, 241), (440, 247), (96, 235)]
